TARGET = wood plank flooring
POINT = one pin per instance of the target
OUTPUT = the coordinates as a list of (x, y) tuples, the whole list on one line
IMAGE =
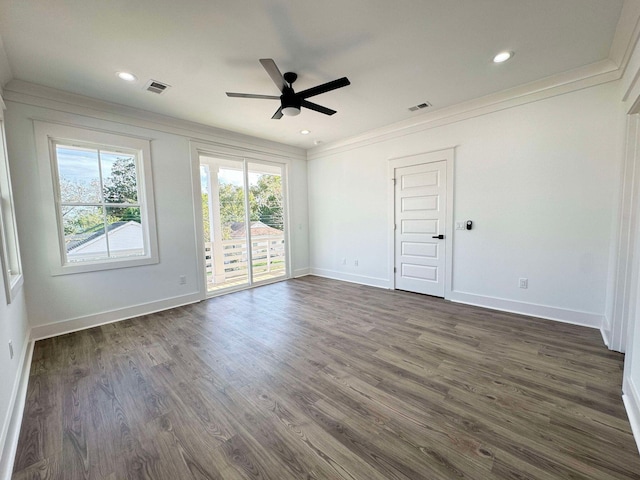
[(318, 379)]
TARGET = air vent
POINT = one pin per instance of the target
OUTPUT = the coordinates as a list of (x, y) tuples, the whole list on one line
[(156, 87), (420, 106)]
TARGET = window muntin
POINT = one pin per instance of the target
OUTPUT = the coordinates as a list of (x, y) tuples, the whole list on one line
[(98, 192)]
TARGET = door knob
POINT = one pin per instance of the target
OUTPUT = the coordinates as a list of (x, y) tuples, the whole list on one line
[(440, 237)]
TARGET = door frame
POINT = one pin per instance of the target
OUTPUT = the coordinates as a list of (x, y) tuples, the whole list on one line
[(222, 152), (448, 156)]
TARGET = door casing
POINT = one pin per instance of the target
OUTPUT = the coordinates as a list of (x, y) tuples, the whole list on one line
[(447, 155), (200, 148)]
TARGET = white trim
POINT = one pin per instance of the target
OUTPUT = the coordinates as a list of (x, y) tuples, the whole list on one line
[(209, 149), (628, 223), (447, 155), (574, 317), (626, 34), (47, 134), (631, 399), (10, 256), (13, 419), (578, 79), (350, 277), (27, 93), (301, 272), (54, 329), (605, 331), (196, 189)]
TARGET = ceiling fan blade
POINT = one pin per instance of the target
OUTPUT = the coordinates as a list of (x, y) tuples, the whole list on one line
[(274, 72), (325, 87), (317, 108), (278, 114), (251, 95)]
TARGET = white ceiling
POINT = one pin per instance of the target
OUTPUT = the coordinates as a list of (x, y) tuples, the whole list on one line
[(396, 54)]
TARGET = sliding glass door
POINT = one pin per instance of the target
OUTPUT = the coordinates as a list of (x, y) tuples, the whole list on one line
[(244, 219)]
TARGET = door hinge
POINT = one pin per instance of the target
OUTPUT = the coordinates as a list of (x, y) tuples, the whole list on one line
[(393, 180), (395, 226), (394, 269)]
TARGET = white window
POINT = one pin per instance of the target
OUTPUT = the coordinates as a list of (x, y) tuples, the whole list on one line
[(9, 249), (102, 191)]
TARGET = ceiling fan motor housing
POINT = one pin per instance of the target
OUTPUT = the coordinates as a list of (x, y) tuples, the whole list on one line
[(290, 99)]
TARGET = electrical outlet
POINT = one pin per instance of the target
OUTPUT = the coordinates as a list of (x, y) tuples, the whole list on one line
[(10, 349), (459, 225), (524, 283), (355, 263), (182, 280)]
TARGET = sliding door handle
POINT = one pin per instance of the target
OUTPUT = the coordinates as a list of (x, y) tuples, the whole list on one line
[(440, 237)]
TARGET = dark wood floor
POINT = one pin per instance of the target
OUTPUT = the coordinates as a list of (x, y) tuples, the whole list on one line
[(319, 379)]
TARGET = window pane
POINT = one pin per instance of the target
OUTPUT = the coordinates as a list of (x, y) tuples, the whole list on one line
[(266, 203), (229, 265), (79, 174), (84, 236), (119, 177), (125, 232), (206, 209)]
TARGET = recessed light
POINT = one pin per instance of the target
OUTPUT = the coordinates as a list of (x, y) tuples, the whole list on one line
[(305, 132), (502, 57), (126, 76)]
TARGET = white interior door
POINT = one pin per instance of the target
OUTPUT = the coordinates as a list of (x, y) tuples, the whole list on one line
[(420, 225)]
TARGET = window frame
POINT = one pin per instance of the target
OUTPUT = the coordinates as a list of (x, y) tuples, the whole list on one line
[(10, 260), (48, 136)]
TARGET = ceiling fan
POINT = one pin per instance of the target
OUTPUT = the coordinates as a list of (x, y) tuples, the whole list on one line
[(290, 101)]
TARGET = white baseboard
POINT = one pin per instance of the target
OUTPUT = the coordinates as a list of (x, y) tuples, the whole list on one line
[(301, 272), (13, 420), (585, 319), (81, 323), (605, 331), (350, 277), (631, 399)]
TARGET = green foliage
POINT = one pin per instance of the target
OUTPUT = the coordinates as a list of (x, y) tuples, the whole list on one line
[(205, 217), (265, 205), (121, 187)]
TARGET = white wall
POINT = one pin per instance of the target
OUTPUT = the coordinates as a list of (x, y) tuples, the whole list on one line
[(88, 298), (540, 181), (14, 327)]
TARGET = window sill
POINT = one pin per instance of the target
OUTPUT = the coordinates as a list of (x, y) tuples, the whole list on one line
[(100, 266)]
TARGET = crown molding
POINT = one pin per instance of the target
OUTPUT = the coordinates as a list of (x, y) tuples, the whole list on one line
[(577, 79), (608, 70), (5, 68), (19, 91), (626, 36)]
